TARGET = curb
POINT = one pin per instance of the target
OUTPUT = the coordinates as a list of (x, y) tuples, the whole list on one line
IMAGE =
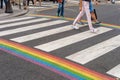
[(15, 14)]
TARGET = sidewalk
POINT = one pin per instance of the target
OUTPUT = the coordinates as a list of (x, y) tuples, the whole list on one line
[(16, 12)]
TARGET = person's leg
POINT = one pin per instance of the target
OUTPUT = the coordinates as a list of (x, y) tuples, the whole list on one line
[(62, 8), (5, 1), (59, 9), (87, 11), (25, 4), (35, 2), (28, 2), (32, 2), (1, 6), (91, 8), (93, 16), (79, 16), (40, 2)]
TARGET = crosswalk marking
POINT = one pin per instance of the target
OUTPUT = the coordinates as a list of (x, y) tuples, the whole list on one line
[(53, 45), (63, 42), (20, 23), (115, 71), (95, 51), (41, 34), (12, 31), (17, 19)]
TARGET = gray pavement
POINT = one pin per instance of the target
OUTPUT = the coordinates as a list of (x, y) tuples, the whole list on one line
[(107, 13), (14, 68), (18, 68)]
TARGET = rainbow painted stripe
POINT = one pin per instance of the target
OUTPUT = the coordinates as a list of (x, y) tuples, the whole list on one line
[(58, 65)]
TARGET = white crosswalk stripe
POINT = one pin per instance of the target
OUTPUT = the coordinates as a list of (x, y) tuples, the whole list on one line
[(115, 71), (42, 34), (12, 31), (17, 19), (83, 56), (21, 23), (102, 48), (69, 40)]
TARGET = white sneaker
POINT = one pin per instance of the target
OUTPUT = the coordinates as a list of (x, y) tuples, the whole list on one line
[(75, 27), (93, 30)]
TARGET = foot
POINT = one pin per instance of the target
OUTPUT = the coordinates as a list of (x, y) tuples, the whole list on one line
[(75, 27), (93, 30), (97, 22)]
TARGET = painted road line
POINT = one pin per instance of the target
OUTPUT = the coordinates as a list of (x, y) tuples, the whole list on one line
[(63, 67), (43, 34), (95, 51), (12, 31), (17, 19), (50, 46), (21, 23), (115, 71)]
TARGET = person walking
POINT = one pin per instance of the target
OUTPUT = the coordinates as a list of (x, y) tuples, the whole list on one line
[(84, 8), (60, 11), (93, 14)]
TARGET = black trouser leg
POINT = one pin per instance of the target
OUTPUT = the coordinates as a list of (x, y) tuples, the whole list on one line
[(32, 1), (1, 6), (28, 2)]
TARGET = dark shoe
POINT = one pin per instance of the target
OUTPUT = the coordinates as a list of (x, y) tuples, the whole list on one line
[(98, 22)]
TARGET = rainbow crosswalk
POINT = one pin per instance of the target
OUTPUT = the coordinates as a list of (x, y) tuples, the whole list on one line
[(58, 65)]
